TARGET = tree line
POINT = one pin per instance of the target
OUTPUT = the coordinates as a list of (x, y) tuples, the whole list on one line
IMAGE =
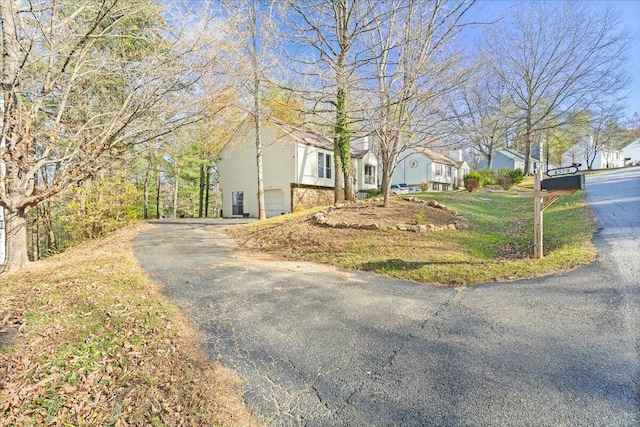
[(114, 110)]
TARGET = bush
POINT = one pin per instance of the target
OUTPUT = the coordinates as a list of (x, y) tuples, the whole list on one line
[(515, 174), (472, 181), (470, 184), (506, 182), (505, 178), (487, 177)]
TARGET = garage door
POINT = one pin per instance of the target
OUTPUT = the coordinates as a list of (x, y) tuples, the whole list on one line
[(273, 202)]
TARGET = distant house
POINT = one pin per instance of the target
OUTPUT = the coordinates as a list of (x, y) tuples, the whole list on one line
[(298, 170), (418, 166), (589, 156), (507, 158), (632, 152)]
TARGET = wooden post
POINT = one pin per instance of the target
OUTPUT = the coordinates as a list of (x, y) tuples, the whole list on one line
[(538, 218), (539, 205)]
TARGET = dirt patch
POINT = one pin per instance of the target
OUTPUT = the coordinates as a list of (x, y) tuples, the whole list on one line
[(401, 214)]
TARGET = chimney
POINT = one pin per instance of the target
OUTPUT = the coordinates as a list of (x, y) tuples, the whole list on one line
[(361, 143), (456, 155)]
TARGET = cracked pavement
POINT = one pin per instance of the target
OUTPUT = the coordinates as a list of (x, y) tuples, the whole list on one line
[(317, 346)]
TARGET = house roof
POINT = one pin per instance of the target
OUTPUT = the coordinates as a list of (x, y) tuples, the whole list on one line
[(303, 136), (512, 154), (358, 154), (436, 157), (312, 138), (516, 155), (580, 146), (632, 144)]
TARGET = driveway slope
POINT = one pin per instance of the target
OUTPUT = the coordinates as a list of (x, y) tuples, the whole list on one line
[(320, 346)]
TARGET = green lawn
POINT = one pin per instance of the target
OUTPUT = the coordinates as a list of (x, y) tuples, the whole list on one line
[(498, 245)]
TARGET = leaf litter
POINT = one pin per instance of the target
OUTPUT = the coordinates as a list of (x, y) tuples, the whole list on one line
[(86, 339)]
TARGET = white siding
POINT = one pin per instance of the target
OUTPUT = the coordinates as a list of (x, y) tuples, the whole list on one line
[(413, 168), (368, 159), (583, 153), (308, 166), (632, 151), (238, 170)]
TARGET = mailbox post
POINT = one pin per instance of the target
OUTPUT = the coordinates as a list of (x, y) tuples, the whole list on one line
[(551, 188)]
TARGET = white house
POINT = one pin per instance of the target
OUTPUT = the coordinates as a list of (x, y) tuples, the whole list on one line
[(632, 152), (589, 156), (298, 170), (419, 165)]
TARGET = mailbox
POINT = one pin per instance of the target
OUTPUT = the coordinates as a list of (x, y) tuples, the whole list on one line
[(568, 182)]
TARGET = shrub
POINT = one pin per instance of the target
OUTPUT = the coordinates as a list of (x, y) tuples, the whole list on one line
[(472, 180), (515, 174), (470, 184), (374, 192), (506, 182), (425, 186)]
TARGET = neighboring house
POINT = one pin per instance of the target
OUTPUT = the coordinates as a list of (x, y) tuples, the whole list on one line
[(632, 152), (507, 158), (418, 165), (463, 167), (590, 157), (298, 170)]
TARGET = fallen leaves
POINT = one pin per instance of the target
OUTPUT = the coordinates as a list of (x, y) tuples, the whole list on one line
[(86, 339)]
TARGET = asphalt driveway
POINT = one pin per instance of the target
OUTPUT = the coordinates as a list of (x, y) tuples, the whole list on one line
[(319, 346)]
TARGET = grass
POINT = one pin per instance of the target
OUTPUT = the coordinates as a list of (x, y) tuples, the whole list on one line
[(88, 340), (498, 245)]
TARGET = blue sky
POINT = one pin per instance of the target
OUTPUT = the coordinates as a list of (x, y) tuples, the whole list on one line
[(630, 14)]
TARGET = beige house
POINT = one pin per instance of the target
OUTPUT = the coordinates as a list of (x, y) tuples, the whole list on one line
[(298, 170)]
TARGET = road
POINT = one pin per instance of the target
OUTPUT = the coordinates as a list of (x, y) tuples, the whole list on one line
[(319, 346)]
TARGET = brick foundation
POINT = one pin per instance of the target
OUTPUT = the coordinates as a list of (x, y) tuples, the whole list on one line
[(308, 196)]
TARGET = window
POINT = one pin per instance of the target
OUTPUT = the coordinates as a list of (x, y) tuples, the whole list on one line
[(324, 165), (369, 174), (449, 171), (438, 169), (321, 165)]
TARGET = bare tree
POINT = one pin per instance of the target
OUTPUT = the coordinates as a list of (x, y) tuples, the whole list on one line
[(414, 64), (605, 131), (554, 58), (252, 29), (480, 115), (333, 29), (82, 81)]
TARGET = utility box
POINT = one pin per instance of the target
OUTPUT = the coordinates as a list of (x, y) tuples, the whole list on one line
[(569, 182)]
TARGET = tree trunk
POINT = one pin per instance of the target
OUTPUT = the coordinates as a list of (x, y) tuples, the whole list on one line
[(338, 192), (386, 185), (35, 239), (175, 195), (52, 242), (206, 191), (256, 110), (158, 182), (145, 197), (16, 229), (201, 192)]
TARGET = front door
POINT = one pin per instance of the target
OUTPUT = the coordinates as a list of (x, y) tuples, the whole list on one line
[(237, 200)]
